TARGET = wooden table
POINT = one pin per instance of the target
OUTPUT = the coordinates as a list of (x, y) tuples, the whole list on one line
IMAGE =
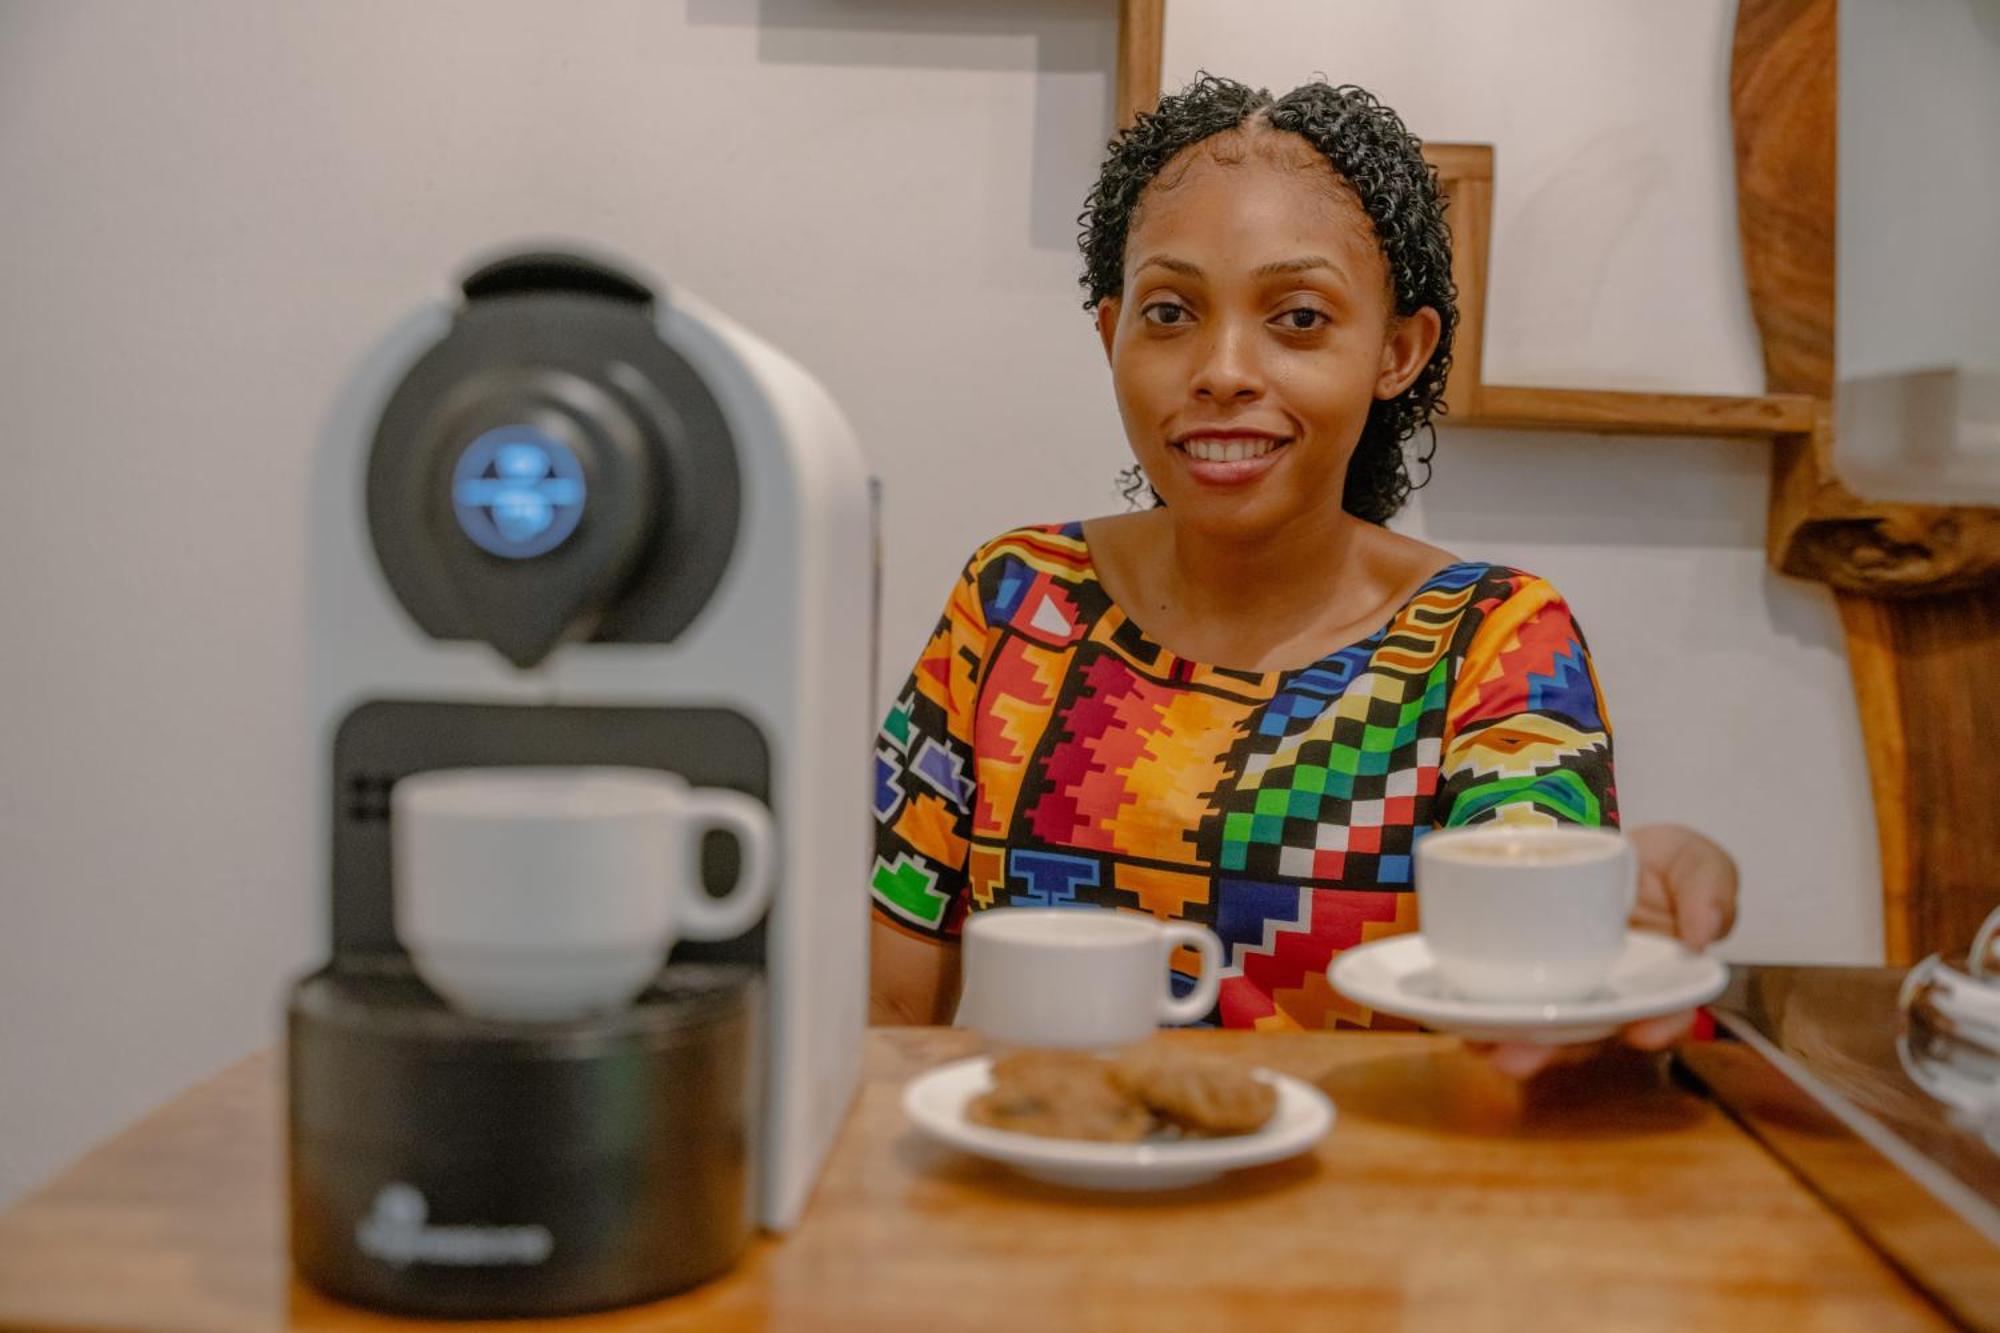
[(1605, 1197)]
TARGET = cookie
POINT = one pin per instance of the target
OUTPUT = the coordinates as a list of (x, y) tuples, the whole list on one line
[(1060, 1095), (1200, 1096)]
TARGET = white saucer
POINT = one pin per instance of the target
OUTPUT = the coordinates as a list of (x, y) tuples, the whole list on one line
[(935, 1103), (1655, 975)]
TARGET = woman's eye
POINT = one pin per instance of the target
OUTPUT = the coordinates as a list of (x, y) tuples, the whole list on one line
[(1165, 312), (1304, 318)]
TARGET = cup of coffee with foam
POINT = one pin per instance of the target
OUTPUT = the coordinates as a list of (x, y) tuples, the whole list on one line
[(1078, 977), (1525, 912)]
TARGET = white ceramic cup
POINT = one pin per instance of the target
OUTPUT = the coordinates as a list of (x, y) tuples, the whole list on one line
[(550, 893), (1525, 913), (1078, 977)]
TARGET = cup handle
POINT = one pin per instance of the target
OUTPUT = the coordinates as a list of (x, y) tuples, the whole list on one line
[(1982, 945), (1915, 980), (1207, 986), (702, 917)]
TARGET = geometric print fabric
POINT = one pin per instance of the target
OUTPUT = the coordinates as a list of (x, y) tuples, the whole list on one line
[(1045, 752)]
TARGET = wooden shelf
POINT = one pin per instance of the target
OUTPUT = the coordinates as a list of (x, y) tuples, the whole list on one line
[(1465, 176), (1498, 407)]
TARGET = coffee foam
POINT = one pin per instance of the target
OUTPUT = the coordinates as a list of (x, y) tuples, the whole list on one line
[(1525, 847)]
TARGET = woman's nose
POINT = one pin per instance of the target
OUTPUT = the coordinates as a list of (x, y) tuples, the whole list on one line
[(1227, 369)]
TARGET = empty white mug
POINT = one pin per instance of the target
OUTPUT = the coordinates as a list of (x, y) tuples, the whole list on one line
[(1525, 913), (1079, 977), (549, 893)]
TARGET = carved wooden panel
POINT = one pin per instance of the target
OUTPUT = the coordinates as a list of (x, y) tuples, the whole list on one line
[(1819, 529), (1783, 102), (1925, 672), (1915, 583)]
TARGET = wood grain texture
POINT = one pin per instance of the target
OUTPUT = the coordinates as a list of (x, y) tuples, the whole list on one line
[(1613, 412), (1947, 666), (1934, 1248), (1446, 1198), (1782, 89), (1142, 32), (1465, 179), (1461, 161), (1871, 661), (1821, 530)]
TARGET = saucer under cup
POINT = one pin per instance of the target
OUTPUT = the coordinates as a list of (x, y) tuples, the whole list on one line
[(1652, 976)]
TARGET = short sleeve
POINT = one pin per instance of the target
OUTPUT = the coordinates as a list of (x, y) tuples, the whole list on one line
[(1526, 739), (924, 774)]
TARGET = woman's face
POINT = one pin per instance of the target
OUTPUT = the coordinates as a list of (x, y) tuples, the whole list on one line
[(1256, 326)]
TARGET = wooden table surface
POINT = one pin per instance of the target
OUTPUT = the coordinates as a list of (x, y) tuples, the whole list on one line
[(1604, 1197)]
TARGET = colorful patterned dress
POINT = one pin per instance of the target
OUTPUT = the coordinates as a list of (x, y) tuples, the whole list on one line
[(1045, 752)]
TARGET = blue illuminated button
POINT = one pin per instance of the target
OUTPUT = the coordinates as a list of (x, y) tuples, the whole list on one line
[(517, 491)]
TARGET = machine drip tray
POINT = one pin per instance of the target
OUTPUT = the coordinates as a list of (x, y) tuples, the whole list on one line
[(445, 1165)]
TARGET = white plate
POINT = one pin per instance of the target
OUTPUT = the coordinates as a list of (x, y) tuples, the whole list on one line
[(935, 1103), (1653, 976)]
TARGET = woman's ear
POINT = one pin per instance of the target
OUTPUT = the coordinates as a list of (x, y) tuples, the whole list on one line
[(1107, 323), (1412, 339)]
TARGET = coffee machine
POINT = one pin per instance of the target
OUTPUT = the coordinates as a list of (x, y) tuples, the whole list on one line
[(573, 517)]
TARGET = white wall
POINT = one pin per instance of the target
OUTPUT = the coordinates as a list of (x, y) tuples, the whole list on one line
[(1920, 172), (1919, 337), (209, 210), (207, 213)]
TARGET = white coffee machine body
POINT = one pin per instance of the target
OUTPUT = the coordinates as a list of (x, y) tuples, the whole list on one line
[(783, 641)]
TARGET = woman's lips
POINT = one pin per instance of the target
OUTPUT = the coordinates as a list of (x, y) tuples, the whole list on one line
[(1229, 460)]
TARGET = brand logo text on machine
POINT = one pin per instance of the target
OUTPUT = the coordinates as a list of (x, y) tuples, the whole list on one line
[(394, 1231)]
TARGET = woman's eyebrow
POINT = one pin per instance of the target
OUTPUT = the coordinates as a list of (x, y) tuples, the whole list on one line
[(1276, 268), (1169, 263), (1302, 264)]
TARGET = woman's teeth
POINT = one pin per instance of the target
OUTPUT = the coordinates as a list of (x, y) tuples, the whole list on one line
[(1227, 451)]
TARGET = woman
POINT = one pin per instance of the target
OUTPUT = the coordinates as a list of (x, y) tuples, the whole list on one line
[(1243, 705)]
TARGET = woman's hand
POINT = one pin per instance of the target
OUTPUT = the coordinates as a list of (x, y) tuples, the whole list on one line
[(1687, 889)]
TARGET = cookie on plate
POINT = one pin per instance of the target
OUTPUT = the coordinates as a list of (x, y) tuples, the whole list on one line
[(1061, 1095), (1196, 1094)]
